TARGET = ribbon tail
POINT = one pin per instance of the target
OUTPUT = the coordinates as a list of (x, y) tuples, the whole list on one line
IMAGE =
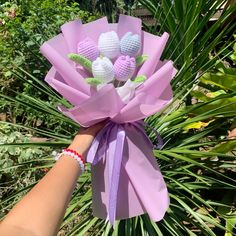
[(158, 137), (115, 176), (140, 124), (96, 151)]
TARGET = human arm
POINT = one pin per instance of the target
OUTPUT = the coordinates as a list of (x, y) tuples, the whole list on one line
[(41, 211)]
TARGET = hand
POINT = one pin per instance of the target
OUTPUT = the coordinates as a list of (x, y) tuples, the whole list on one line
[(84, 138)]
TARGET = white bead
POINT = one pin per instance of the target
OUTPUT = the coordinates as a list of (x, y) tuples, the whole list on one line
[(74, 156)]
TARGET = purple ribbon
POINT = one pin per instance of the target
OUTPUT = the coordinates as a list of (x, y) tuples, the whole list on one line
[(112, 137)]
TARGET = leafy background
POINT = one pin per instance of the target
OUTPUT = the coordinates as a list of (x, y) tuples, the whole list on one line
[(198, 128)]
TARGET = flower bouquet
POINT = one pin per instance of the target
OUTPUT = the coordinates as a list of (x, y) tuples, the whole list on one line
[(114, 72)]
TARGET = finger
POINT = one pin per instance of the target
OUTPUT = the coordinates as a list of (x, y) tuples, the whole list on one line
[(92, 130)]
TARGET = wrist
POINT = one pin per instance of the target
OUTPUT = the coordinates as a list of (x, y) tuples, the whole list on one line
[(80, 144), (78, 149)]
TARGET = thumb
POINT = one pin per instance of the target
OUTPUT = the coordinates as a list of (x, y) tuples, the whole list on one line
[(94, 129)]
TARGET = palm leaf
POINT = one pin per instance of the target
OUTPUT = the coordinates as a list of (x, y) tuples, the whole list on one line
[(190, 173)]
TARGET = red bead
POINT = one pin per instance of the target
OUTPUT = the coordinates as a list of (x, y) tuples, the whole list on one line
[(77, 154)]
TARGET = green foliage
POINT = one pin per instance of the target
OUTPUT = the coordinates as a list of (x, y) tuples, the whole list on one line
[(139, 79), (217, 89), (196, 166), (18, 165), (93, 81), (141, 59), (111, 8), (233, 56), (193, 35), (81, 60), (224, 77)]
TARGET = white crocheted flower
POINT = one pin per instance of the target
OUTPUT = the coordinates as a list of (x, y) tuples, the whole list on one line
[(109, 45), (130, 44), (102, 68)]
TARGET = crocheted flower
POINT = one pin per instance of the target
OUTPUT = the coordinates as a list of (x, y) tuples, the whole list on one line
[(130, 44), (109, 45), (124, 68), (88, 49), (102, 68)]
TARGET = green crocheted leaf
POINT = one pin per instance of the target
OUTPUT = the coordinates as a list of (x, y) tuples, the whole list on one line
[(141, 59), (139, 79), (93, 81), (83, 61)]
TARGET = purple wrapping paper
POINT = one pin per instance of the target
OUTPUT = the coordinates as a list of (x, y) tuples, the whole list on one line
[(140, 187), (126, 179)]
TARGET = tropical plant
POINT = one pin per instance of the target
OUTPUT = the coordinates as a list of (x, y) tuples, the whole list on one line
[(111, 8), (196, 160)]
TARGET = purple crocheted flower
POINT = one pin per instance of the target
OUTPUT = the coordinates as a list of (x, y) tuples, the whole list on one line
[(124, 68), (88, 49)]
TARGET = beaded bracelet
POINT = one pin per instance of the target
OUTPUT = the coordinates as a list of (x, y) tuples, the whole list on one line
[(75, 155)]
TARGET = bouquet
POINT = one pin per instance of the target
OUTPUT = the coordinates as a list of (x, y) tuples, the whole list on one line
[(114, 72)]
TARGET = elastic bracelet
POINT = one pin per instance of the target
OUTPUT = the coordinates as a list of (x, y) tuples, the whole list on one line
[(75, 155)]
